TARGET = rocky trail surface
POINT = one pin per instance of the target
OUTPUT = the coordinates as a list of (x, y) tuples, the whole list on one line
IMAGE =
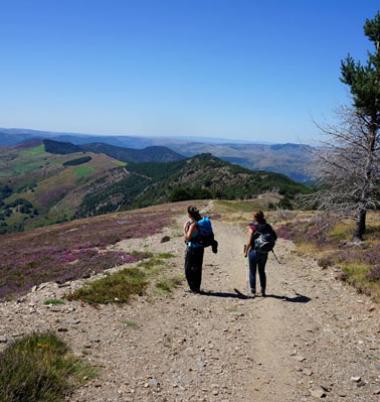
[(311, 338)]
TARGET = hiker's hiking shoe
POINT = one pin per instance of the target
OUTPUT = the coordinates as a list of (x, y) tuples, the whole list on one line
[(263, 294), (253, 293)]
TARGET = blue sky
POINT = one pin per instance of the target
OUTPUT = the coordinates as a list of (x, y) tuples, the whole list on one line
[(216, 68)]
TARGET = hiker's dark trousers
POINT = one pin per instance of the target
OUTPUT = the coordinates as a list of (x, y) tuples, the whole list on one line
[(257, 260), (193, 267)]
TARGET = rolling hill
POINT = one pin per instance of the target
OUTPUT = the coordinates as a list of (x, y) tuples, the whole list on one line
[(148, 154), (44, 182), (293, 160), (200, 177), (39, 188)]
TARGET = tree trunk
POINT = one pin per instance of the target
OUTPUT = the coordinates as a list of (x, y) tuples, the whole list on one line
[(367, 185), (360, 225)]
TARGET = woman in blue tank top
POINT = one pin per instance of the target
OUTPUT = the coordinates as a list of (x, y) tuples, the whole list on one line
[(194, 251)]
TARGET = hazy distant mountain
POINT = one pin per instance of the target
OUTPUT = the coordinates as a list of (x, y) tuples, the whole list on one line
[(293, 160), (9, 140), (148, 154)]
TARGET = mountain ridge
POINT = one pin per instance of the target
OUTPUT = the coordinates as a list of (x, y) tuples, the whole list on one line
[(294, 160), (39, 188)]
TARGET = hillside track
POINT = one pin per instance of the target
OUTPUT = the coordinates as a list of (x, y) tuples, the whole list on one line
[(309, 337)]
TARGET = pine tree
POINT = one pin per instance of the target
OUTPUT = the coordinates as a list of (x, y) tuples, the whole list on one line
[(364, 83)]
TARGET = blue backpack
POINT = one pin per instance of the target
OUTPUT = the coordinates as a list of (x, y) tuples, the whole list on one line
[(205, 233)]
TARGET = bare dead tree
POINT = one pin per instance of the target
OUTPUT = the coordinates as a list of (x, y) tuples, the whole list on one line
[(348, 168), (349, 161)]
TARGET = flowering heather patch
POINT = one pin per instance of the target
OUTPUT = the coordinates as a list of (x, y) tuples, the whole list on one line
[(314, 230), (330, 237), (373, 274), (72, 250), (369, 256), (48, 198)]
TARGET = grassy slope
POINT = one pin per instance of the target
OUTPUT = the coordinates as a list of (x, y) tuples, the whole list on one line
[(209, 177), (201, 177), (54, 190), (100, 184), (75, 249)]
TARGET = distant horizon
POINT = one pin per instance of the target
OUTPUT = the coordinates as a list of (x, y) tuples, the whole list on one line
[(184, 138)]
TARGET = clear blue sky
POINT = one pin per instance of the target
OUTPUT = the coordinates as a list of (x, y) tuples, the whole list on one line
[(247, 69)]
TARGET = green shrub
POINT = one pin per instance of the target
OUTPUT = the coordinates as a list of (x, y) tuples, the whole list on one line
[(114, 288), (39, 367), (325, 261), (54, 302), (166, 285), (120, 286)]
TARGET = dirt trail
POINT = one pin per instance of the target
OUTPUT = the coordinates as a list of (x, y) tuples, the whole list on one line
[(310, 332)]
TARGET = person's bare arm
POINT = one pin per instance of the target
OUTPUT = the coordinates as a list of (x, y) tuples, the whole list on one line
[(248, 246), (190, 230)]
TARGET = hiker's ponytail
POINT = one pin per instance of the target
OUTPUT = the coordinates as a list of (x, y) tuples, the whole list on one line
[(259, 217), (194, 213)]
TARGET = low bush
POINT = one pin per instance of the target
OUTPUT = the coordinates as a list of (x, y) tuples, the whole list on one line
[(325, 261), (54, 302), (39, 367), (167, 285), (120, 286), (330, 238), (373, 274), (114, 288)]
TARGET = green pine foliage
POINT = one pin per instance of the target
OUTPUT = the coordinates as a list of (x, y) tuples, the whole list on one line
[(77, 161), (364, 79)]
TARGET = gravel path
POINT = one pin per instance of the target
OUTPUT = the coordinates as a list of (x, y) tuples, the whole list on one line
[(311, 337)]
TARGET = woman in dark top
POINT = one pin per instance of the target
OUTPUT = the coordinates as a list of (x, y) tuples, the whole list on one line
[(257, 258), (194, 251)]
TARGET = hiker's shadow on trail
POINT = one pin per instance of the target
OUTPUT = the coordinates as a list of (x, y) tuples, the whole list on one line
[(233, 295), (298, 298)]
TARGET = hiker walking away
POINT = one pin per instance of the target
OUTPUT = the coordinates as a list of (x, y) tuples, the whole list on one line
[(262, 239), (198, 235)]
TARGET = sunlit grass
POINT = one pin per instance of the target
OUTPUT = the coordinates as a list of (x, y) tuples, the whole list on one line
[(54, 302), (119, 287), (40, 367), (83, 171), (342, 231), (166, 285), (114, 288)]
